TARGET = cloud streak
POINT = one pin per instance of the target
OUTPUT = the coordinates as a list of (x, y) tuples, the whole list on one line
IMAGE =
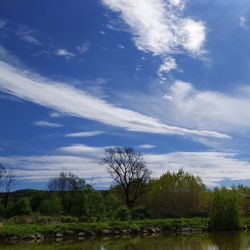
[(47, 124), (212, 167), (75, 102), (81, 149), (159, 27), (85, 134), (64, 53)]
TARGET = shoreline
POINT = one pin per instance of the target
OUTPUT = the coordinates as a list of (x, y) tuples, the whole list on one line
[(59, 231)]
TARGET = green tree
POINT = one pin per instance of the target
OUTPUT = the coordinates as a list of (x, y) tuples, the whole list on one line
[(36, 201), (129, 172), (69, 187), (175, 193), (112, 202), (226, 211), (95, 206), (51, 206), (21, 207)]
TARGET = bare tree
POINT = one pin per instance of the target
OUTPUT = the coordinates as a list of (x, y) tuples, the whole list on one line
[(9, 182), (2, 172), (59, 184), (129, 171), (67, 185)]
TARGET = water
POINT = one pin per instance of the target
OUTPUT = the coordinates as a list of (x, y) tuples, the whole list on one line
[(216, 241)]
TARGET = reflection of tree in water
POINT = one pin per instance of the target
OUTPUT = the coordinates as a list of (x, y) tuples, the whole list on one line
[(231, 240), (194, 242), (215, 241)]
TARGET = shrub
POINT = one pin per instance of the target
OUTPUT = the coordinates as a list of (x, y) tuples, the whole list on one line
[(22, 207), (51, 206), (225, 213), (69, 219), (122, 214), (140, 213)]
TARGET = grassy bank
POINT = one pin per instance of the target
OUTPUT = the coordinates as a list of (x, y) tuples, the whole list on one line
[(144, 226), (110, 228)]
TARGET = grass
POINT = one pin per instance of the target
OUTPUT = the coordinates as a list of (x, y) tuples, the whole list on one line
[(19, 230), (47, 229)]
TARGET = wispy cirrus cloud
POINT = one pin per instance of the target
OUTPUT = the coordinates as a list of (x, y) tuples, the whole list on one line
[(56, 115), (159, 27), (82, 48), (28, 35), (243, 22), (75, 102), (187, 106), (42, 168), (147, 146), (47, 124), (64, 53), (3, 23), (82, 149), (212, 167), (85, 134), (210, 109)]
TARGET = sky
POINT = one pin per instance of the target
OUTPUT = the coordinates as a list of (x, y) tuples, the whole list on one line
[(170, 78)]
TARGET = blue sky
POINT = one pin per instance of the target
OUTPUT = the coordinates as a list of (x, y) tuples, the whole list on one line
[(169, 78)]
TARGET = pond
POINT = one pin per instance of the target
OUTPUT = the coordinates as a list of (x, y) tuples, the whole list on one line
[(215, 241)]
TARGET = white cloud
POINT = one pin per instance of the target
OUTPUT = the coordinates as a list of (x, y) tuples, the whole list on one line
[(28, 35), (85, 134), (75, 102), (64, 53), (243, 22), (167, 65), (147, 146), (209, 109), (30, 39), (82, 149), (42, 168), (159, 27), (2, 23), (177, 3), (121, 46), (56, 115), (186, 106), (212, 167), (83, 48), (47, 124)]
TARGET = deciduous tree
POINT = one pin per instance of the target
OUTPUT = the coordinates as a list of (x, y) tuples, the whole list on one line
[(129, 171)]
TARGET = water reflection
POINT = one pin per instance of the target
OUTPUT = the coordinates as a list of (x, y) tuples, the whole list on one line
[(215, 241)]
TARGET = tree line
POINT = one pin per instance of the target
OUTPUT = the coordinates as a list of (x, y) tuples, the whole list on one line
[(134, 194)]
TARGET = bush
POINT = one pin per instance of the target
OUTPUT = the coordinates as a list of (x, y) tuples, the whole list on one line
[(122, 214), (22, 207), (69, 219), (140, 213), (225, 213), (51, 206)]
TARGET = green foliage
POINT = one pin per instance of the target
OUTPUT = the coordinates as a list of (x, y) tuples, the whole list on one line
[(122, 214), (175, 193), (36, 201), (51, 206), (94, 203), (166, 224), (225, 213), (21, 207), (68, 219), (140, 213), (112, 202)]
